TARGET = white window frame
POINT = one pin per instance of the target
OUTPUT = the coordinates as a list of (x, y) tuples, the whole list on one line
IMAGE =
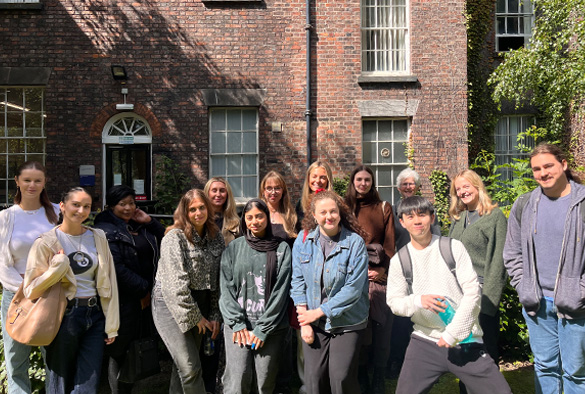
[(5, 155), (386, 185), (371, 10), (506, 141), (214, 155), (524, 13)]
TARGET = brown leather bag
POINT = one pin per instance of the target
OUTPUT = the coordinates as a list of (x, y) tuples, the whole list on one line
[(36, 322)]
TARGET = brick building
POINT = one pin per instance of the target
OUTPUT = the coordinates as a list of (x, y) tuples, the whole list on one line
[(221, 88)]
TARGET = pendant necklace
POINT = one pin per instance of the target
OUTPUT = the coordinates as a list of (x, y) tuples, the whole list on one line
[(78, 256)]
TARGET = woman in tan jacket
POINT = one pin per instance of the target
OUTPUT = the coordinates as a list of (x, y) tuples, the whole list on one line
[(79, 258)]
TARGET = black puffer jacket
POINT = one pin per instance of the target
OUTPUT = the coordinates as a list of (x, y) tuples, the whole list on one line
[(135, 278)]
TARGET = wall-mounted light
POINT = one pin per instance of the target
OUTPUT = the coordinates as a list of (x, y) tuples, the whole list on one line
[(119, 73)]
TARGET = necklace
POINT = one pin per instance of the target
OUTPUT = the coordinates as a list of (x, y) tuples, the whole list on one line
[(78, 256)]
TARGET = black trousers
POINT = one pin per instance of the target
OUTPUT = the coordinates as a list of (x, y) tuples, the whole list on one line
[(331, 362)]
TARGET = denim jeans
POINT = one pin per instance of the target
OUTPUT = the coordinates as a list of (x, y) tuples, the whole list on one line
[(559, 350), (184, 348), (74, 358), (16, 354)]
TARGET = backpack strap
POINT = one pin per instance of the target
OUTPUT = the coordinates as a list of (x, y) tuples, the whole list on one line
[(521, 202), (446, 250), (406, 263)]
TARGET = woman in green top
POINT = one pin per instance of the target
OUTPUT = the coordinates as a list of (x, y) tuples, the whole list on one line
[(481, 226), (255, 279)]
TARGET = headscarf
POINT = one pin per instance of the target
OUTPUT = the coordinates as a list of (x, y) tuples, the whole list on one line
[(267, 244)]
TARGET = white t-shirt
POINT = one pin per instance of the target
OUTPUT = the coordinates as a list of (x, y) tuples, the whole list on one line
[(83, 260), (28, 225)]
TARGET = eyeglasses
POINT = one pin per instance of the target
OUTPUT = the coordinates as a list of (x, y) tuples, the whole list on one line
[(408, 184), (276, 189)]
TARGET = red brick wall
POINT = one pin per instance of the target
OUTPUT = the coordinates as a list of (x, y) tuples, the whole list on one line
[(172, 49)]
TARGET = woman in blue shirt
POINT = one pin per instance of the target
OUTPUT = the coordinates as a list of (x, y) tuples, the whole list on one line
[(330, 291)]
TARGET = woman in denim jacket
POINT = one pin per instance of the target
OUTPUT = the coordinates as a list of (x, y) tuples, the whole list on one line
[(330, 291)]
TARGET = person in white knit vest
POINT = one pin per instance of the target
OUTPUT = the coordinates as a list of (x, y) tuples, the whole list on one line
[(435, 347)]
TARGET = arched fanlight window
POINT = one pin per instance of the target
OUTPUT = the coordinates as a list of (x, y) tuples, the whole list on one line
[(127, 128)]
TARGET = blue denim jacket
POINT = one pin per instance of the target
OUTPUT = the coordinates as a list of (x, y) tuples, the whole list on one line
[(345, 278)]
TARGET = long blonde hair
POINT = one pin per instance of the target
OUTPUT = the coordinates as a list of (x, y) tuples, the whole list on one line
[(306, 196), (231, 221), (285, 208), (484, 205)]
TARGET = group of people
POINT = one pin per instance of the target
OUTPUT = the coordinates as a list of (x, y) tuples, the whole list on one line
[(346, 273)]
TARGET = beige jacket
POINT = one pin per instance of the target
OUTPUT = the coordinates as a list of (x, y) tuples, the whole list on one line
[(45, 267)]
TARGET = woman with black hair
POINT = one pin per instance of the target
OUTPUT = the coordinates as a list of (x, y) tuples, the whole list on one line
[(134, 238), (255, 282)]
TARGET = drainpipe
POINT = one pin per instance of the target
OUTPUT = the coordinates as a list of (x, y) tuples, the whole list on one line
[(308, 28)]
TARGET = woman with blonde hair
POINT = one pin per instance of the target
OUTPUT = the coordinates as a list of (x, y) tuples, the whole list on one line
[(317, 177), (481, 226), (185, 297), (224, 212)]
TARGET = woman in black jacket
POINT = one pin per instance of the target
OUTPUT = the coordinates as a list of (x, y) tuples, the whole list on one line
[(134, 239)]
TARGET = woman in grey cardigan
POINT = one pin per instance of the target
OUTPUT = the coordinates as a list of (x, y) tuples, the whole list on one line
[(255, 281), (186, 291), (481, 226)]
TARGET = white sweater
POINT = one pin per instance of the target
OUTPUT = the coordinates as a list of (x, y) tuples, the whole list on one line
[(431, 275)]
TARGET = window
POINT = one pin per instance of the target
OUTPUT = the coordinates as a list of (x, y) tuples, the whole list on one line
[(127, 138), (384, 36), (384, 151), (513, 24), (234, 149), (22, 134), (506, 136)]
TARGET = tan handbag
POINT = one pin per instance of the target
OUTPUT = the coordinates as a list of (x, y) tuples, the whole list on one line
[(36, 322)]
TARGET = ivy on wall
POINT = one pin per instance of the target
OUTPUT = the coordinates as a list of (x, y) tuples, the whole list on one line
[(482, 110)]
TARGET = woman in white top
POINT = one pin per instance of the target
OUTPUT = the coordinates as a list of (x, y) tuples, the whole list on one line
[(31, 215), (79, 259)]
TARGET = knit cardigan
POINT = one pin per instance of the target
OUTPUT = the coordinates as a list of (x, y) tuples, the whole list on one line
[(484, 241)]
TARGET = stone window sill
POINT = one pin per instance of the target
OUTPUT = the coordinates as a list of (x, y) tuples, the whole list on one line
[(387, 79)]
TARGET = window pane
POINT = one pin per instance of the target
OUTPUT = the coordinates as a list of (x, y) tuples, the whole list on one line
[(234, 165), (249, 185), (249, 165), (400, 130), (385, 152), (15, 99), (218, 142), (249, 119), (218, 167), (234, 143), (369, 131), (234, 119), (35, 146), (514, 6), (236, 184), (39, 158), (217, 120), (368, 152), (15, 124), (399, 153), (384, 131), (249, 142), (501, 6), (33, 99), (15, 145)]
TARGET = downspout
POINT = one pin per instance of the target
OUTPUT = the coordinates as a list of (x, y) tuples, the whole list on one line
[(308, 28)]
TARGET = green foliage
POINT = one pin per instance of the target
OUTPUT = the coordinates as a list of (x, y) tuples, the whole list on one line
[(440, 184), (340, 185), (481, 109), (170, 185), (513, 330), (550, 72)]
